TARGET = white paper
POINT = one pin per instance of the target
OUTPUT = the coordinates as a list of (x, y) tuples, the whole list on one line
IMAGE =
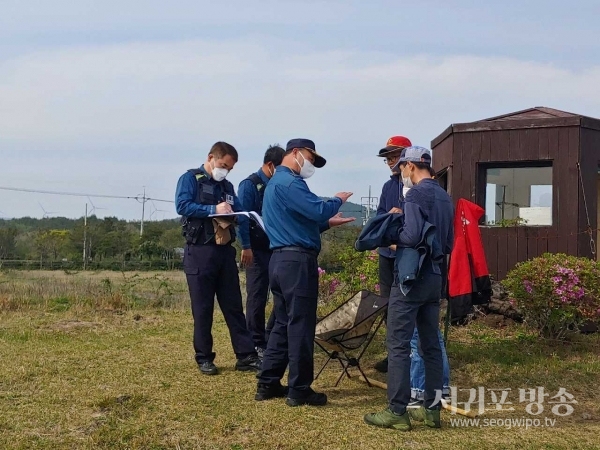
[(250, 214)]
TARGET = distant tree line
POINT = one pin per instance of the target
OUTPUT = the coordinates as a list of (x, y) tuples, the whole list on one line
[(59, 242), (116, 244)]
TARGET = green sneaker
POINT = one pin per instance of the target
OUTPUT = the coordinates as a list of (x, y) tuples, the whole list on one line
[(388, 419), (417, 414), (431, 417)]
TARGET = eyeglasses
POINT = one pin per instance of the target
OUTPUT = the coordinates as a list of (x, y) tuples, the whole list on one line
[(391, 159)]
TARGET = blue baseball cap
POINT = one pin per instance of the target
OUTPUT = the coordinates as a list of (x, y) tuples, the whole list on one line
[(414, 154), (309, 145)]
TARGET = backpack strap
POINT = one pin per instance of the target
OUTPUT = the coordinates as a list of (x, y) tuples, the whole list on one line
[(197, 173), (258, 238), (260, 188)]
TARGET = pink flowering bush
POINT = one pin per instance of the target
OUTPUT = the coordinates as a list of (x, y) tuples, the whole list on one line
[(358, 270), (556, 293)]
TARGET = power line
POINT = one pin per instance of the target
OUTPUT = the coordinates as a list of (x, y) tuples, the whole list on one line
[(139, 197), (76, 194)]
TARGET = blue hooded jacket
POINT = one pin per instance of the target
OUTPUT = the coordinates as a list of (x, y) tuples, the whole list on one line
[(410, 261), (383, 230), (380, 231)]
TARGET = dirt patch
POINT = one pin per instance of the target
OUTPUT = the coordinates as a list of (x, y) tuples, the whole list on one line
[(496, 321), (68, 325)]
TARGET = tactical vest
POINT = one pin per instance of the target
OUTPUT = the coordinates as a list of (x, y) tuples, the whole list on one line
[(258, 238), (201, 231)]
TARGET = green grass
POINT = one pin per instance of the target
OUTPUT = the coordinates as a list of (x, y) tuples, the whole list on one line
[(88, 376)]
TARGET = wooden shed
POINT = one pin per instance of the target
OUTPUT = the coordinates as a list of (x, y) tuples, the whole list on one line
[(536, 173)]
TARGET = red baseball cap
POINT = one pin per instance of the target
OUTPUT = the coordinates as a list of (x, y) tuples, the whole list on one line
[(394, 144)]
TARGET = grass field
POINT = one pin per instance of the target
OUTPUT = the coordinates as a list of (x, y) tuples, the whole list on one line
[(103, 360)]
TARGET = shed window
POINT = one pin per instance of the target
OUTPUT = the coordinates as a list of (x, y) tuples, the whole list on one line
[(518, 196)]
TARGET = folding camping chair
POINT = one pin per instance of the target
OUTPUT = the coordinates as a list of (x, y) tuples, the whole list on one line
[(352, 325)]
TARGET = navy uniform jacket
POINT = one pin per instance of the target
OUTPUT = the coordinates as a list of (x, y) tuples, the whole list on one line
[(185, 198), (391, 197), (250, 201), (292, 214)]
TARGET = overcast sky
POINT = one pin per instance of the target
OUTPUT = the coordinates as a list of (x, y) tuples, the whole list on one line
[(106, 97)]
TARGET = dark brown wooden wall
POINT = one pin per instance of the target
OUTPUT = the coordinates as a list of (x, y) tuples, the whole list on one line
[(442, 154), (506, 246), (442, 159), (590, 159)]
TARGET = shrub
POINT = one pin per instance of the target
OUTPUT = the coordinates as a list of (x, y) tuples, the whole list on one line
[(556, 293), (360, 271)]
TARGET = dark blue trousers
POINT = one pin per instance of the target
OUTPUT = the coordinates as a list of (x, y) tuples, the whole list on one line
[(294, 282), (421, 307), (386, 275), (257, 291), (211, 270)]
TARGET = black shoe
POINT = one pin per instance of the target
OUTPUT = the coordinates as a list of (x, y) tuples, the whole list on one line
[(249, 363), (446, 395), (269, 391), (414, 403), (382, 366), (312, 399), (208, 368)]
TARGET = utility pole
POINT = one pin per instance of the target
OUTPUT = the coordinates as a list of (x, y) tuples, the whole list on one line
[(368, 204), (369, 208), (143, 211), (504, 203), (85, 239)]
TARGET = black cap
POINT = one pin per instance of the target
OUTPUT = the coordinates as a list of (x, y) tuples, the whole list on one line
[(309, 145)]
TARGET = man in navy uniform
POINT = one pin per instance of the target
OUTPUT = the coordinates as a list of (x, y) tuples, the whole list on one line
[(209, 258), (426, 201), (294, 218), (390, 201), (255, 248)]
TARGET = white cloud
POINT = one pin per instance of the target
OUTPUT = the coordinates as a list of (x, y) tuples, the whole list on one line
[(135, 108)]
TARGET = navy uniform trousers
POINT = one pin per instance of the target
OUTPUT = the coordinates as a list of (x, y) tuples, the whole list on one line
[(211, 270), (257, 292), (294, 280)]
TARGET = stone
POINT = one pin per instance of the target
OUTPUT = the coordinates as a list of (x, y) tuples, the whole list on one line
[(500, 304)]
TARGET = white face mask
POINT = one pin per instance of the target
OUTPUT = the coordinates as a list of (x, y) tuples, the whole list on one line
[(406, 181), (272, 172), (218, 173), (307, 170), (405, 191)]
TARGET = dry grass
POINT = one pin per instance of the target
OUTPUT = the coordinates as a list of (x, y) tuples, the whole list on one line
[(86, 377), (60, 290)]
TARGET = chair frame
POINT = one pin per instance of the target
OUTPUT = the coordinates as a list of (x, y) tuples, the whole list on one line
[(346, 360)]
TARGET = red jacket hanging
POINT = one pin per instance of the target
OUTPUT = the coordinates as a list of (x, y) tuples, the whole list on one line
[(468, 276)]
